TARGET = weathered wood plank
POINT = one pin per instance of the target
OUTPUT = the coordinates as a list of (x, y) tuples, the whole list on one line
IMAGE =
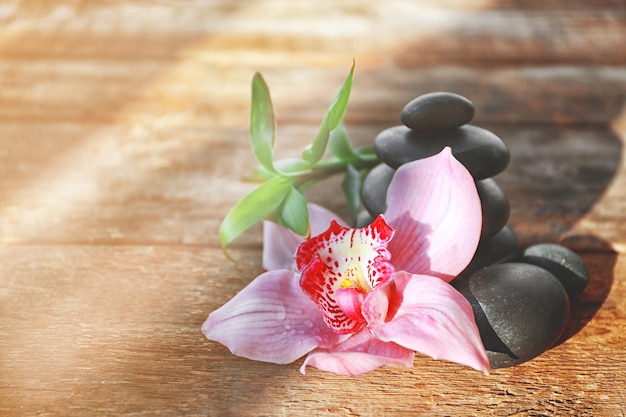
[(123, 140), (605, 219), (84, 70), (99, 93), (115, 330), (163, 185), (416, 32)]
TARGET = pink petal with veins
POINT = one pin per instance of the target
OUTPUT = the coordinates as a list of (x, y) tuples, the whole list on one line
[(279, 247), (434, 207), (433, 318), (358, 355), (270, 320)]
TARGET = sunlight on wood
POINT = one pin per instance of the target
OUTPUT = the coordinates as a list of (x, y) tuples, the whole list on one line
[(603, 220), (124, 139)]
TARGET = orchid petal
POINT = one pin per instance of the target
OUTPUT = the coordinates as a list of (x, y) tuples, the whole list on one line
[(320, 284), (434, 207), (344, 258), (279, 247), (280, 243), (270, 320), (349, 300), (358, 355), (377, 305), (434, 319)]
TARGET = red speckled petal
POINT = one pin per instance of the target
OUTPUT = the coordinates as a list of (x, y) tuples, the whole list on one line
[(344, 258), (310, 249), (280, 244), (321, 283)]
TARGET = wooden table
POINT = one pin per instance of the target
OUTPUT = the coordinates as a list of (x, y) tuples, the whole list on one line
[(123, 140)]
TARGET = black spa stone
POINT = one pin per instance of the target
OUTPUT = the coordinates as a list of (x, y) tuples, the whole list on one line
[(363, 219), (437, 111), (563, 263), (501, 247), (374, 190), (495, 206), (482, 152), (521, 310)]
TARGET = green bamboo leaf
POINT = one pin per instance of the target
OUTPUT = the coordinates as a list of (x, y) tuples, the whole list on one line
[(254, 207), (262, 123), (333, 117), (339, 144), (295, 213), (260, 174), (314, 152), (351, 185), (290, 167), (366, 154), (339, 106)]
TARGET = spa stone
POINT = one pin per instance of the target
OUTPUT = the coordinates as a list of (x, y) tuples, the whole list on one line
[(495, 206), (501, 247), (437, 111), (363, 219), (521, 310), (483, 153), (374, 190), (563, 263)]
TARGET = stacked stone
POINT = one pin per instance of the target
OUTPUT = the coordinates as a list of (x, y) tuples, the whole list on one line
[(520, 298), (432, 122)]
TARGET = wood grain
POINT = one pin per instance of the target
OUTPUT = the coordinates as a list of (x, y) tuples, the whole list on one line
[(123, 141)]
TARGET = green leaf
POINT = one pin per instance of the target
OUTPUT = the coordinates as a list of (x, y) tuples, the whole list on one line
[(260, 174), (366, 154), (338, 108), (290, 167), (339, 144), (254, 207), (351, 185), (314, 152), (295, 213), (262, 123), (333, 117)]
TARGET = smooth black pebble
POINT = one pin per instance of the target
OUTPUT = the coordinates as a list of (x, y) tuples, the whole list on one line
[(374, 189), (495, 206), (438, 110), (483, 153), (501, 247), (521, 310), (363, 218), (563, 263)]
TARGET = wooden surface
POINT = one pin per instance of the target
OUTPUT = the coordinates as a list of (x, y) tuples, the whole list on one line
[(123, 138)]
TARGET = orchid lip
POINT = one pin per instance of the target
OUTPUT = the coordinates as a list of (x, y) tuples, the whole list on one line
[(340, 266)]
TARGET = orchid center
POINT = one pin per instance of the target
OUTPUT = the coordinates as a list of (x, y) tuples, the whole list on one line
[(340, 266), (353, 277)]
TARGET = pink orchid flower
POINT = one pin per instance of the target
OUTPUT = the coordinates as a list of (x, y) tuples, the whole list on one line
[(358, 299)]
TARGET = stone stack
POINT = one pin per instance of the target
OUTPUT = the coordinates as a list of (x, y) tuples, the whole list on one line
[(432, 122), (520, 298)]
